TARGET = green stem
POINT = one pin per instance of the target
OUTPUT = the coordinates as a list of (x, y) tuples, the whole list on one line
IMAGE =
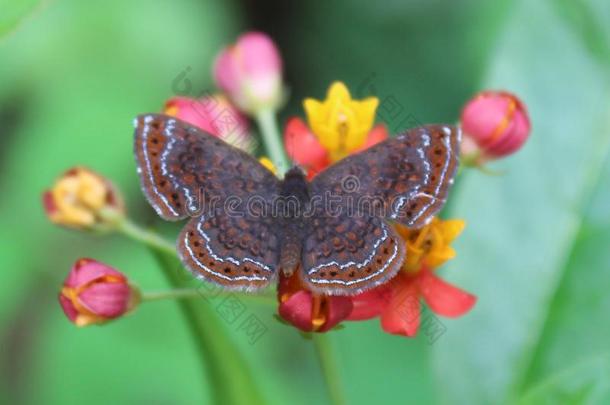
[(229, 378), (150, 238), (272, 139), (329, 367)]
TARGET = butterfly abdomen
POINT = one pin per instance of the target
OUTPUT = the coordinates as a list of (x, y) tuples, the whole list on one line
[(290, 256)]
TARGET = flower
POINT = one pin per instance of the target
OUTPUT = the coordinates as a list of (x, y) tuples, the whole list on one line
[(83, 199), (94, 293), (265, 161), (397, 302), (250, 72), (495, 124), (307, 311), (338, 126), (214, 114), (430, 245)]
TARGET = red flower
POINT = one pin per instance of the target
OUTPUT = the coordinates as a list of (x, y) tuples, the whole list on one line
[(94, 293), (398, 301), (307, 311), (304, 148)]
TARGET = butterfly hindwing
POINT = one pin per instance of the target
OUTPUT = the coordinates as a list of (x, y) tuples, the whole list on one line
[(344, 255), (237, 252), (405, 179)]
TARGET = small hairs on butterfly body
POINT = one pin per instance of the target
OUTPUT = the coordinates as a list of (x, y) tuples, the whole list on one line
[(245, 225)]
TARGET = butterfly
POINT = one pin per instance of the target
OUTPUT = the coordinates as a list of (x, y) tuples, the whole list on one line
[(246, 225)]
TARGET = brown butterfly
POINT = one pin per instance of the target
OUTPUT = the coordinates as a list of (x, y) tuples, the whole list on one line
[(246, 225)]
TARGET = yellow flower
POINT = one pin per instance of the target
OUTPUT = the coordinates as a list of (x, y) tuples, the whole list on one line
[(429, 245), (265, 161), (81, 199), (341, 123)]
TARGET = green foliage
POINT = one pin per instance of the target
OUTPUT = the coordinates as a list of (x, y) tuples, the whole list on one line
[(14, 12), (535, 250)]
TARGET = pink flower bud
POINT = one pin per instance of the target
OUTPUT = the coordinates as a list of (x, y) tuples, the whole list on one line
[(495, 123), (215, 115), (250, 72), (94, 293)]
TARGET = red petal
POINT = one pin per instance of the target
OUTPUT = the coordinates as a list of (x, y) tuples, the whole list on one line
[(444, 298), (303, 147), (68, 308), (378, 134), (106, 300), (339, 308), (48, 203), (402, 315), (298, 307), (297, 310), (370, 304), (85, 271)]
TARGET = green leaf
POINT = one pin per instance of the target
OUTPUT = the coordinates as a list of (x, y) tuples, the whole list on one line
[(523, 227), (14, 12), (585, 383)]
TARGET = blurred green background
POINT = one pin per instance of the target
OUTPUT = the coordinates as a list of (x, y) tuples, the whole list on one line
[(536, 250)]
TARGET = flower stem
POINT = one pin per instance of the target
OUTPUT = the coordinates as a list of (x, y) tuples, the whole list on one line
[(272, 140), (329, 367), (149, 238)]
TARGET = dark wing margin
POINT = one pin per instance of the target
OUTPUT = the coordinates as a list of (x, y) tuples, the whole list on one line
[(183, 169), (408, 177)]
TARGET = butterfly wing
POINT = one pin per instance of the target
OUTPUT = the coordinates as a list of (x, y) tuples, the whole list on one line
[(349, 246), (236, 252), (186, 172), (405, 179), (345, 255)]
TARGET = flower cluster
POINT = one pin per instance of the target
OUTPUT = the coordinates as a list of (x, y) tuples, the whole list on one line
[(397, 302), (249, 76)]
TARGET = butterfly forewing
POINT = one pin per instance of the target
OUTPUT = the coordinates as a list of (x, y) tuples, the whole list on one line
[(184, 171), (405, 179)]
